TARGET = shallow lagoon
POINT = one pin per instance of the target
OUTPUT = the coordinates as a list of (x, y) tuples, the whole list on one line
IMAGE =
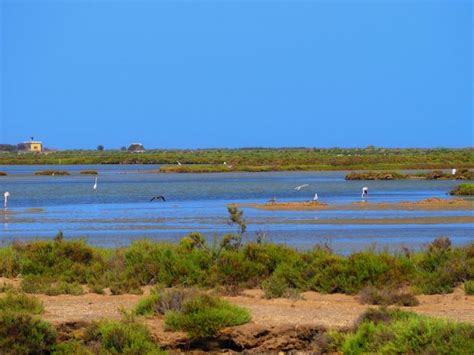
[(119, 211)]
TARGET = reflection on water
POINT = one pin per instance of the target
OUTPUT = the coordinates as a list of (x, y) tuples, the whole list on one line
[(119, 211)]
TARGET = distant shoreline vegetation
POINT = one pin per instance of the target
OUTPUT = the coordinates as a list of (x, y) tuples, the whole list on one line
[(462, 174), (258, 159)]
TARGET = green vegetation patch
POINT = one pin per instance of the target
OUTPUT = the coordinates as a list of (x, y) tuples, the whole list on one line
[(88, 172), (24, 333), (20, 302), (2, 173), (204, 315), (463, 190), (469, 287), (387, 296), (393, 331), (124, 337)]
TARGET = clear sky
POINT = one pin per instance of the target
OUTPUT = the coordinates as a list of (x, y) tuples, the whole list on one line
[(195, 74)]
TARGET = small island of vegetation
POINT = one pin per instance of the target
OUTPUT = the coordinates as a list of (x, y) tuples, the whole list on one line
[(463, 190)]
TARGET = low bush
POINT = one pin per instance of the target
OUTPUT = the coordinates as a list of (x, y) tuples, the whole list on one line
[(2, 173), (50, 287), (387, 296), (20, 302), (72, 347), (199, 314), (23, 333), (469, 287), (393, 331), (124, 337)]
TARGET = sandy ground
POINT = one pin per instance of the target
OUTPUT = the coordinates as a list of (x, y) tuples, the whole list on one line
[(430, 204), (329, 310)]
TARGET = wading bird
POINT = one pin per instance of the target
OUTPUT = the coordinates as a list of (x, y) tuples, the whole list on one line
[(365, 192), (298, 188), (6, 195), (158, 198), (315, 198), (453, 172), (95, 185), (179, 164)]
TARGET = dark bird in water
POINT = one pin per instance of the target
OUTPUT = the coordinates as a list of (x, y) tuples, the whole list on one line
[(158, 198)]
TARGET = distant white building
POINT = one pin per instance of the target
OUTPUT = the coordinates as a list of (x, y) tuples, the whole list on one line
[(136, 148)]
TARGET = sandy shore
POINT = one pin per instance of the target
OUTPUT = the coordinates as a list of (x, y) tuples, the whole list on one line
[(431, 204)]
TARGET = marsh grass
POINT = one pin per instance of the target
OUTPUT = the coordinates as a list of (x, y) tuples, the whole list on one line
[(387, 296), (52, 173)]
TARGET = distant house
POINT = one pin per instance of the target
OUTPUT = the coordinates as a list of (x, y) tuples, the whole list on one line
[(31, 146), (136, 148)]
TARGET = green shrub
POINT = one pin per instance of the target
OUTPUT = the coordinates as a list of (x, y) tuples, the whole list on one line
[(20, 302), (47, 285), (124, 337), (161, 301), (71, 347), (393, 331), (203, 316), (23, 333), (463, 190), (469, 287), (387, 296)]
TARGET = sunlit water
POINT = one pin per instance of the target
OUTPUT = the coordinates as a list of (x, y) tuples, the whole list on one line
[(119, 211)]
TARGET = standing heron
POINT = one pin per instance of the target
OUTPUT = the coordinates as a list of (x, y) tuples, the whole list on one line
[(365, 192), (6, 195), (95, 185)]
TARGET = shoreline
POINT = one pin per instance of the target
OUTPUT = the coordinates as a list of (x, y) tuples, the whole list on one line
[(431, 204)]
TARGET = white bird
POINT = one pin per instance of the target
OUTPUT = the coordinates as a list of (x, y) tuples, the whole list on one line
[(365, 192), (179, 164), (315, 198), (298, 188), (6, 195), (453, 172), (95, 185)]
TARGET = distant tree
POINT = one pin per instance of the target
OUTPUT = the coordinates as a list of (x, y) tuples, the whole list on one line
[(123, 149), (100, 147)]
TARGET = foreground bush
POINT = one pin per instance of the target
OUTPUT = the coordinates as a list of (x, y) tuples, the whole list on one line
[(386, 297), (203, 316), (19, 302), (23, 333), (393, 331), (469, 287), (124, 337)]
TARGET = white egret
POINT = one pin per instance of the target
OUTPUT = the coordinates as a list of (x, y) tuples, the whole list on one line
[(6, 195), (453, 172), (95, 185), (179, 164), (298, 188), (315, 198)]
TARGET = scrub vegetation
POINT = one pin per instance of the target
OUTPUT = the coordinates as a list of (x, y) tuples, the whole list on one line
[(52, 173), (259, 159), (62, 266), (463, 190), (461, 174)]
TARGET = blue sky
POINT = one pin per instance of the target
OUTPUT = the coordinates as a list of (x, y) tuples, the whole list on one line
[(195, 74)]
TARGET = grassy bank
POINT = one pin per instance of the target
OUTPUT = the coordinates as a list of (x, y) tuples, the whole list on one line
[(463, 190), (60, 266), (259, 159), (461, 174)]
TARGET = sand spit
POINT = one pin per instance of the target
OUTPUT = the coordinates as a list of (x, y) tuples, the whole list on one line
[(430, 204)]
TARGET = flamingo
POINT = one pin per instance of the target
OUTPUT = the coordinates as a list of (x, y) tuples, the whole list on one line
[(365, 192)]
